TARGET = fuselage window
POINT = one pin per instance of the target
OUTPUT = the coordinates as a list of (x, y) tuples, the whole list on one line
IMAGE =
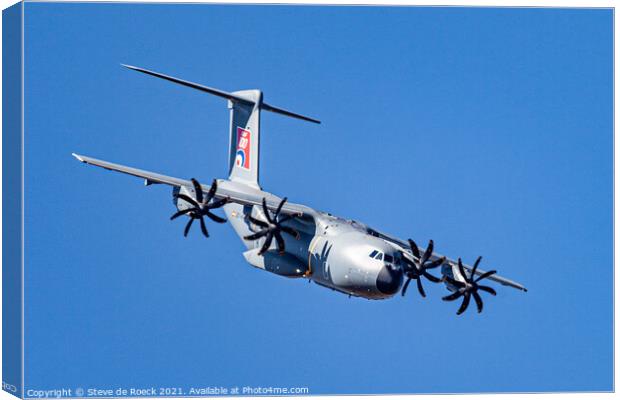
[(373, 254)]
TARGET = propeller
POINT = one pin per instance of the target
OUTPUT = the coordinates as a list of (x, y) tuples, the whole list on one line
[(469, 288), (418, 267), (272, 228), (202, 206)]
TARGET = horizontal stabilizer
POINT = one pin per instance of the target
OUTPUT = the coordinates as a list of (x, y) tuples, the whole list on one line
[(277, 110), (220, 93)]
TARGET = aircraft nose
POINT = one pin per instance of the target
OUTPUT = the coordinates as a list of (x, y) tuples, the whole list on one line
[(389, 279)]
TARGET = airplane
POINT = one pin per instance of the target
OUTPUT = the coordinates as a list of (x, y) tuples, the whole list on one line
[(297, 241)]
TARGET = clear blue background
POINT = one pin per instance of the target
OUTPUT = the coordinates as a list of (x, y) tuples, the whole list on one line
[(487, 130)]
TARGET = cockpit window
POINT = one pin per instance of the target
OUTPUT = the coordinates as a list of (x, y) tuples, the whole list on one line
[(377, 255)]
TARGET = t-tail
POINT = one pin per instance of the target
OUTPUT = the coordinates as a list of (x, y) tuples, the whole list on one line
[(244, 146)]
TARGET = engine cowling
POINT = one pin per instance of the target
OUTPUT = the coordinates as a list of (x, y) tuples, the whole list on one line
[(451, 272), (181, 204)]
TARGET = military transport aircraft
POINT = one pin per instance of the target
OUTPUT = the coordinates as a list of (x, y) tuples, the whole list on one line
[(297, 241)]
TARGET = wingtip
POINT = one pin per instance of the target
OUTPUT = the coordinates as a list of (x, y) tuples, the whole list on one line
[(129, 66), (78, 157)]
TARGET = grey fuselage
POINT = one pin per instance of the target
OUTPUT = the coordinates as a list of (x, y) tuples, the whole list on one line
[(333, 252)]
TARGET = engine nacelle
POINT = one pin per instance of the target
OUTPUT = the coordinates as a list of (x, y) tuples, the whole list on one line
[(451, 272), (181, 204)]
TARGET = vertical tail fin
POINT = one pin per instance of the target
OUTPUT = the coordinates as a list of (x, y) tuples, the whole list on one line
[(244, 146)]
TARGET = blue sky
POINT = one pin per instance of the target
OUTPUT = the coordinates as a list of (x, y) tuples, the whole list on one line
[(487, 130)]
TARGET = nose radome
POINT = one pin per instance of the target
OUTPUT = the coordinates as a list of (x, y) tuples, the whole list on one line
[(389, 279)]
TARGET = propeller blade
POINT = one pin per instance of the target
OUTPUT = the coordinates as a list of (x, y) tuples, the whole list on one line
[(405, 287), (414, 248), (280, 242), (485, 275), (487, 289), (470, 287), (212, 190), (188, 199), (257, 235), (473, 271), (420, 288), (464, 304), (454, 281), (436, 263), (478, 301), (219, 203), (189, 225), (453, 296), (201, 207), (428, 252), (267, 243), (203, 227), (258, 222), (431, 277), (266, 211), (198, 190), (215, 218), (179, 213), (280, 207)]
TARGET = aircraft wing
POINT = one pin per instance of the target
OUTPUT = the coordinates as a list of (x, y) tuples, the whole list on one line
[(404, 246), (237, 193)]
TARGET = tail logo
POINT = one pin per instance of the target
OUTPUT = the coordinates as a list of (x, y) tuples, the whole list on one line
[(242, 158)]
